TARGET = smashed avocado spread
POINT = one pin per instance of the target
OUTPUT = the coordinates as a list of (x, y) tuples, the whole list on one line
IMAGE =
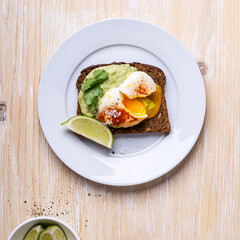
[(117, 75)]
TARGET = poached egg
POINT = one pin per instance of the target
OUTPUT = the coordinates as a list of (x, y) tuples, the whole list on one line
[(133, 101)]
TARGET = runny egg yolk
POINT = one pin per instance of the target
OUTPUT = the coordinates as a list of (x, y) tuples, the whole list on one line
[(156, 97), (134, 106), (148, 105)]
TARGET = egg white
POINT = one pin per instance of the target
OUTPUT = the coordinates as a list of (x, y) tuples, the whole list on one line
[(111, 111), (138, 84)]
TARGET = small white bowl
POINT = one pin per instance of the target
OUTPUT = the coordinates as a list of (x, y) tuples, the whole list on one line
[(20, 231)]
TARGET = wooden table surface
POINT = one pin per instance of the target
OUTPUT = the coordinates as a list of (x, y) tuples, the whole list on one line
[(199, 199)]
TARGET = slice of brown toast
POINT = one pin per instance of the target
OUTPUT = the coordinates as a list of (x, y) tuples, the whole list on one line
[(159, 123)]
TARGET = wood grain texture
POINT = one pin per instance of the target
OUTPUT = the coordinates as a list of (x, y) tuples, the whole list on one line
[(200, 199)]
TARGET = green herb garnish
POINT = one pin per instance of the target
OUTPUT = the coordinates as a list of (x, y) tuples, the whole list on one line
[(91, 82), (91, 97), (100, 76), (88, 83), (92, 88)]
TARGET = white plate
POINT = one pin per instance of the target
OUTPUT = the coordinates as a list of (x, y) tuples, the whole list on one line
[(136, 158)]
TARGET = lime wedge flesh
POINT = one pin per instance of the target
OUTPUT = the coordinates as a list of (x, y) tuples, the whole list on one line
[(34, 233), (52, 233), (90, 128)]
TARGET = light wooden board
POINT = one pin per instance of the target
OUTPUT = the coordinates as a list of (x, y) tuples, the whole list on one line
[(200, 199)]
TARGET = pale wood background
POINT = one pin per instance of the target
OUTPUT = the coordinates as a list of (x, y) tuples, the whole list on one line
[(200, 199)]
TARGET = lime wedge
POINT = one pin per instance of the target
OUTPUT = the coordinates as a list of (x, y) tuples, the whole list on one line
[(52, 233), (34, 232), (90, 128)]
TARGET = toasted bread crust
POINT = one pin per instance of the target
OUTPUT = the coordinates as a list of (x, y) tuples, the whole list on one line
[(160, 123)]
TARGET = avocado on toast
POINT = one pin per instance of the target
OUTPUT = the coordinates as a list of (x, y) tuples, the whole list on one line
[(159, 123)]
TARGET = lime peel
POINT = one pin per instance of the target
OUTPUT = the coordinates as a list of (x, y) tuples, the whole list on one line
[(90, 128), (52, 233), (34, 232)]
